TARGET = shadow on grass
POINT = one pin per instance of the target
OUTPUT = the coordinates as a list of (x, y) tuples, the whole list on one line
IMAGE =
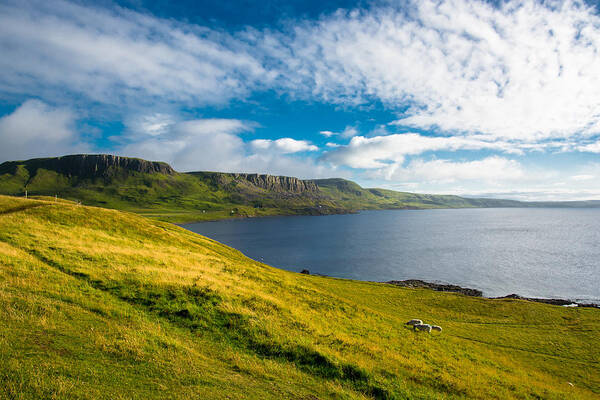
[(197, 309)]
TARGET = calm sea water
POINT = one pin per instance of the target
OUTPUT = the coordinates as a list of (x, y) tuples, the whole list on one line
[(532, 252)]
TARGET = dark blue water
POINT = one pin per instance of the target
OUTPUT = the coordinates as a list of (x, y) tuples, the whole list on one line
[(552, 253)]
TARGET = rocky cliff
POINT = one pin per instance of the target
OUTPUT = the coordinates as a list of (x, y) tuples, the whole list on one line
[(249, 182), (90, 165), (279, 183)]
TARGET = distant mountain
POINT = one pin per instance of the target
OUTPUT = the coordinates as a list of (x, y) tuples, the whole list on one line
[(155, 189)]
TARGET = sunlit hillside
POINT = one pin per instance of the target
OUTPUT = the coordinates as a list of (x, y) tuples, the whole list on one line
[(97, 303)]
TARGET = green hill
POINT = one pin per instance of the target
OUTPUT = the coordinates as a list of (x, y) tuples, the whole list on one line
[(154, 189), (102, 304), (351, 195)]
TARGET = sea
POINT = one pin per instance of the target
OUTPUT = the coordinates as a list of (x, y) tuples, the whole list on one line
[(533, 252)]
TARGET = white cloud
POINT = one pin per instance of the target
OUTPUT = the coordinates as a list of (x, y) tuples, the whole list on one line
[(116, 56), (283, 145), (36, 129), (537, 193), (215, 145), (522, 71), (584, 177), (205, 144), (276, 164), (348, 132), (380, 151), (153, 124), (493, 176), (590, 148), (491, 170)]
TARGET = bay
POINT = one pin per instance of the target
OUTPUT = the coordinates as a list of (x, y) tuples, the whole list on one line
[(534, 252)]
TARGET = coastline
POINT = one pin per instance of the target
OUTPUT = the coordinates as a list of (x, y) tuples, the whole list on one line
[(440, 287), (320, 213)]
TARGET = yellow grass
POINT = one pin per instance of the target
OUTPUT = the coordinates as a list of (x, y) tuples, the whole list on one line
[(98, 303)]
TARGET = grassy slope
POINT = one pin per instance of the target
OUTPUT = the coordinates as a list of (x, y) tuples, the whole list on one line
[(97, 303)]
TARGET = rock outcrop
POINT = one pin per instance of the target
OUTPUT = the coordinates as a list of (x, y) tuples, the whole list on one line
[(416, 283), (279, 183), (556, 302), (282, 185), (92, 165)]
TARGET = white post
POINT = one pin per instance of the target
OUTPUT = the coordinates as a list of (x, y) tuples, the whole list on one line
[(25, 193)]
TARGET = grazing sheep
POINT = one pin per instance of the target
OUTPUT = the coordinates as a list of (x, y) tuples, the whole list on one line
[(414, 322), (436, 328), (422, 327)]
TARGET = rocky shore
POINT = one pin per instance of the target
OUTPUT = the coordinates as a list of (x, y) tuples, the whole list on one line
[(556, 302), (416, 283)]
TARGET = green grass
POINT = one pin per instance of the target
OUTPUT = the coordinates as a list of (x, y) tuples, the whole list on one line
[(98, 303)]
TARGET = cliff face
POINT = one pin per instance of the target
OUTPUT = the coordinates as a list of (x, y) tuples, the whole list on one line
[(279, 183), (92, 165), (271, 183)]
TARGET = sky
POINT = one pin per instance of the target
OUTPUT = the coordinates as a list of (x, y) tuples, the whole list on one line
[(468, 97)]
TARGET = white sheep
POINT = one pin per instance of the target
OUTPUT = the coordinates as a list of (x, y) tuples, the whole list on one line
[(422, 327), (414, 322), (436, 328)]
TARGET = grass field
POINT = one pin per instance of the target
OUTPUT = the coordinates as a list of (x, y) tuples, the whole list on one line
[(103, 304)]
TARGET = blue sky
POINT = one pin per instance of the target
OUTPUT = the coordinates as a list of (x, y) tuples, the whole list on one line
[(462, 97)]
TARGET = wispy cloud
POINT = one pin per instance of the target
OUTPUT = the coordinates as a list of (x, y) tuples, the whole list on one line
[(283, 145), (523, 71), (491, 169), (380, 151), (327, 133), (493, 176), (117, 56), (590, 148)]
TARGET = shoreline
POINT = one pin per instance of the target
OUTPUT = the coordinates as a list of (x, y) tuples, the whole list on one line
[(441, 287), (359, 210), (415, 283)]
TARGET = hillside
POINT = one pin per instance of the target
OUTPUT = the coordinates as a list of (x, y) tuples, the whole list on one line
[(151, 310), (353, 196), (154, 189)]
